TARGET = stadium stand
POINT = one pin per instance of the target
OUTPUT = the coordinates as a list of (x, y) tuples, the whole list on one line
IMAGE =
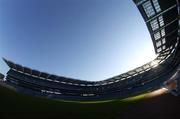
[(162, 20), (1, 76)]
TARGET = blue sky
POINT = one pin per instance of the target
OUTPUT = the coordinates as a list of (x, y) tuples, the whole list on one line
[(83, 39)]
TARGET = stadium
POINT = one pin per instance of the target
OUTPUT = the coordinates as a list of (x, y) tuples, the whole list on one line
[(162, 20)]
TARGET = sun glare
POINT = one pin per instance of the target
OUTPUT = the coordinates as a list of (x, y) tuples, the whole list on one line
[(157, 93)]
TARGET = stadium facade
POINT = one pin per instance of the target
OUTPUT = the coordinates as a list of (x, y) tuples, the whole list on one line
[(162, 20)]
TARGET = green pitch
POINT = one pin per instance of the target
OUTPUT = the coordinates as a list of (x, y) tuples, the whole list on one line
[(16, 105)]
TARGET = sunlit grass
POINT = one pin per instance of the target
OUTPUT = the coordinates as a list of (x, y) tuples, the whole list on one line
[(135, 98), (87, 102)]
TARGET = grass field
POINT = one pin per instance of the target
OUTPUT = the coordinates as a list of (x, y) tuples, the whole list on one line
[(16, 105)]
